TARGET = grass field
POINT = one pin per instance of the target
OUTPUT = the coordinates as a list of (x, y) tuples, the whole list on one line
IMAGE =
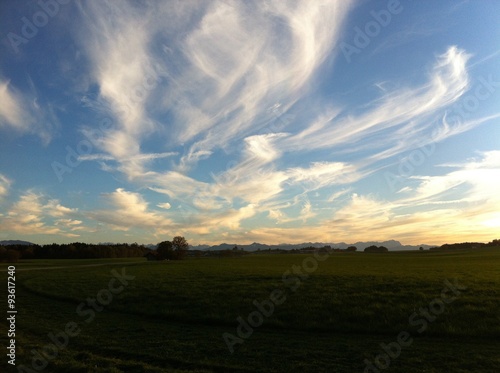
[(332, 316)]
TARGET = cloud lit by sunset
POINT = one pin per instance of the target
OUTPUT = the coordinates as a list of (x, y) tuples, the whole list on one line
[(233, 121)]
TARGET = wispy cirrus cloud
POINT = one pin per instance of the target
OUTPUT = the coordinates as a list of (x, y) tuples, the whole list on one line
[(24, 113), (11, 110), (125, 78), (247, 71), (397, 117), (5, 184), (139, 157), (216, 82), (199, 84), (435, 211)]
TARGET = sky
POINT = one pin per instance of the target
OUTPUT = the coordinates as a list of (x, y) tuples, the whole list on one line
[(250, 121)]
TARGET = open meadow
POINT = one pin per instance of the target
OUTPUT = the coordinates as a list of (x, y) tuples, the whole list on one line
[(342, 312)]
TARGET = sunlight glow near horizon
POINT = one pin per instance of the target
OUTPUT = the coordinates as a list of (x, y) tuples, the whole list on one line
[(228, 121)]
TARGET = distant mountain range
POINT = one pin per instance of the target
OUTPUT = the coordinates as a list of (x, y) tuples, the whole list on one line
[(392, 245), (15, 242)]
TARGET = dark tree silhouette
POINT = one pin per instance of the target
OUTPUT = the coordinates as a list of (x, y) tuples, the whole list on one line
[(375, 249), (175, 250), (165, 250), (180, 243)]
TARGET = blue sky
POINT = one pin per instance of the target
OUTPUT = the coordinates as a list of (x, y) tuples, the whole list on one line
[(232, 121)]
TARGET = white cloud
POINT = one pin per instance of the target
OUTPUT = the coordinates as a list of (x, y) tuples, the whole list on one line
[(125, 79), (405, 190), (322, 174), (213, 91), (337, 195), (32, 215), (129, 210), (432, 212), (164, 205), (245, 70), (140, 157), (399, 115), (416, 216), (256, 179), (477, 175), (306, 212), (55, 209), (11, 110), (23, 112), (71, 224), (215, 80), (5, 184)]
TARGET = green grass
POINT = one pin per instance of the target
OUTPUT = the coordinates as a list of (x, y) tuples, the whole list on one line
[(172, 316)]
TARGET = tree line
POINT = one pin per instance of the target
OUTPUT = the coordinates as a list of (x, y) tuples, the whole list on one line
[(167, 250), (467, 246), (173, 250), (75, 250)]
